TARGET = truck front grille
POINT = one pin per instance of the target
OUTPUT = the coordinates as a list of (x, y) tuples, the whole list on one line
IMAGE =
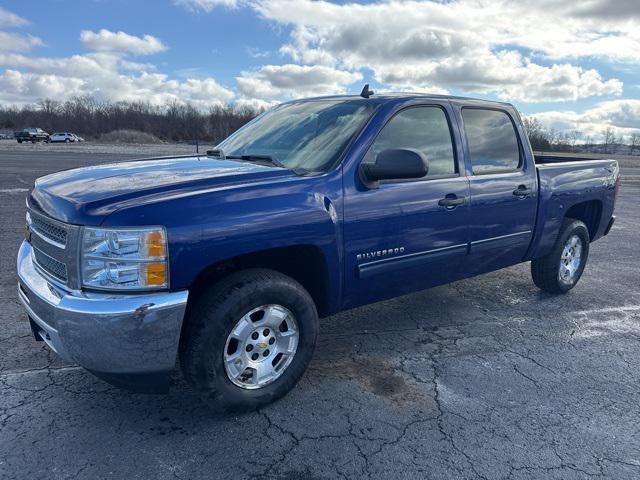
[(50, 265), (49, 230)]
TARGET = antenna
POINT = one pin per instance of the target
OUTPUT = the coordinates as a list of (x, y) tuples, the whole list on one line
[(366, 93)]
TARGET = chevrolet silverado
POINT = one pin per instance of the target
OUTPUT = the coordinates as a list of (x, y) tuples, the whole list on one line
[(223, 263)]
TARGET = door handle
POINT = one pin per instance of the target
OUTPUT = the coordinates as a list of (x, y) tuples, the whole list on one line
[(522, 191), (451, 201)]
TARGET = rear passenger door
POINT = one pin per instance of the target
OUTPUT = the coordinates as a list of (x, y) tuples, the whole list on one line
[(503, 189)]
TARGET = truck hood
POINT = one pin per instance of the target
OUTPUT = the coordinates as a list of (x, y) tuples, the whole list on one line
[(85, 196)]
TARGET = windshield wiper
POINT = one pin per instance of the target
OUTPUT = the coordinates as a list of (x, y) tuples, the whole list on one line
[(218, 153), (258, 158)]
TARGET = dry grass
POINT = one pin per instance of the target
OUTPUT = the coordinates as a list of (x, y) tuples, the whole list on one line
[(129, 136)]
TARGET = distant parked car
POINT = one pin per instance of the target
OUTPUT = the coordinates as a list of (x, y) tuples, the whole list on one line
[(32, 135), (63, 137)]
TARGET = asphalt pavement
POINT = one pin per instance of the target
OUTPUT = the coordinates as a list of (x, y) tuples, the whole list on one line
[(485, 378)]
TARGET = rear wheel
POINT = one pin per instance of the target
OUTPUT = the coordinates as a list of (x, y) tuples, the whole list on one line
[(249, 339), (560, 270)]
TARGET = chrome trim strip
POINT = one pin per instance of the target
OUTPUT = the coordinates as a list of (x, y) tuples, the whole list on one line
[(49, 275), (378, 266), (500, 237), (126, 260), (51, 221), (45, 238)]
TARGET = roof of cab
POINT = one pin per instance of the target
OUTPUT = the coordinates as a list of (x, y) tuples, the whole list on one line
[(389, 96)]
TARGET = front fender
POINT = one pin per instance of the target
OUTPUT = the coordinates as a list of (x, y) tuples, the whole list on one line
[(205, 228)]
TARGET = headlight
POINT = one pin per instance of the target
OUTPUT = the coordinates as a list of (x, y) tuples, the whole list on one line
[(124, 259)]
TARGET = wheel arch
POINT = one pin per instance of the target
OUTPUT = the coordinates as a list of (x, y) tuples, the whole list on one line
[(589, 212), (304, 263)]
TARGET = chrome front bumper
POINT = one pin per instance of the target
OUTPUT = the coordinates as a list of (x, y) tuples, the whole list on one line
[(109, 334)]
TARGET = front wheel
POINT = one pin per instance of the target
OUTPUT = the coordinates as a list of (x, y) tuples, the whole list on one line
[(560, 270), (249, 339)]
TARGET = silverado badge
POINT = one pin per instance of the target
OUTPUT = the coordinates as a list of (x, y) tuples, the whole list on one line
[(379, 253)]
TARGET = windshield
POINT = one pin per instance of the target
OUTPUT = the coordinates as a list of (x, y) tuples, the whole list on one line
[(308, 136)]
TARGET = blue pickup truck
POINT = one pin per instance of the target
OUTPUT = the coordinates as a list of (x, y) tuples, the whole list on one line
[(223, 263)]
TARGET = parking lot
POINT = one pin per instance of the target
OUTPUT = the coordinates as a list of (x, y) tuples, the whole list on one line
[(486, 378)]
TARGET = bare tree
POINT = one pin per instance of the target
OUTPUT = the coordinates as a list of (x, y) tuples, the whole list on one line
[(91, 118), (608, 139), (538, 136), (573, 137), (634, 143), (588, 143)]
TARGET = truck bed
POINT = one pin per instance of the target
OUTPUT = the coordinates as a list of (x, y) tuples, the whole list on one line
[(541, 158), (567, 181)]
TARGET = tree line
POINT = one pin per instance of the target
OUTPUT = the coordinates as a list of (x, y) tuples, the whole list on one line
[(91, 118), (179, 122), (552, 140)]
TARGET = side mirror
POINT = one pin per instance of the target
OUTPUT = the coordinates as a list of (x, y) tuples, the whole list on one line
[(396, 164)]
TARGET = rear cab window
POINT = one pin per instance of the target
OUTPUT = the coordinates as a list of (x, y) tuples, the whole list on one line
[(492, 140), (422, 128)]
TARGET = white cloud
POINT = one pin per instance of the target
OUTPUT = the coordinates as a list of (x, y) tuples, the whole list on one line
[(621, 115), (16, 42), (474, 45), (517, 50), (206, 5), (278, 81), (136, 66), (15, 86), (104, 75), (254, 52), (10, 19), (253, 103), (108, 41)]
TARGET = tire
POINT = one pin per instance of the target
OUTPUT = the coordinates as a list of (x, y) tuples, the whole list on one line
[(66, 140), (19, 141), (548, 273), (34, 140), (207, 339)]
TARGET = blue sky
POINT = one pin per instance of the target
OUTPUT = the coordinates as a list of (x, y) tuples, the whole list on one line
[(572, 66)]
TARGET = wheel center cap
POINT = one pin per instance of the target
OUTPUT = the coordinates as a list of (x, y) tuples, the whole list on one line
[(262, 345)]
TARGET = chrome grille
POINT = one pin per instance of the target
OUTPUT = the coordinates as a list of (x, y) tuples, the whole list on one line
[(49, 230), (50, 265)]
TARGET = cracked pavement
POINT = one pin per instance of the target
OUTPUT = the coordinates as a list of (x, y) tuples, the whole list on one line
[(485, 378)]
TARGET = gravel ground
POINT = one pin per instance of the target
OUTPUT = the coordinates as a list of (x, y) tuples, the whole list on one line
[(485, 378)]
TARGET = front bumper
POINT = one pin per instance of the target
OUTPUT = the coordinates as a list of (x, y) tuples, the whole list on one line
[(609, 225), (109, 334)]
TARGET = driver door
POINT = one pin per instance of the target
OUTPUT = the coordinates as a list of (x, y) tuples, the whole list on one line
[(401, 237)]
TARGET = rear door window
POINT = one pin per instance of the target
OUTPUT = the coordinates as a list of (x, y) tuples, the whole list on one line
[(492, 139)]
